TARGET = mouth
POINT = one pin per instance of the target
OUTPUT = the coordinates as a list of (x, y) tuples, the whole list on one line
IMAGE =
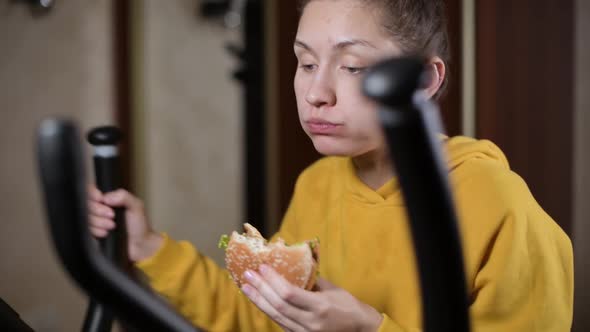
[(322, 127)]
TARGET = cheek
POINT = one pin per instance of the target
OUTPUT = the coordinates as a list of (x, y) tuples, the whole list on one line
[(362, 113), (299, 86)]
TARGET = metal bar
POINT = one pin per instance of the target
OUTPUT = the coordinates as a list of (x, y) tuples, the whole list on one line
[(411, 124)]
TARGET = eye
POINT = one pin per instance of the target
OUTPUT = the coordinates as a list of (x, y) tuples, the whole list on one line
[(307, 67), (354, 70)]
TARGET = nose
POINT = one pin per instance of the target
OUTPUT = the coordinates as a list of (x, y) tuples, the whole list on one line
[(321, 92)]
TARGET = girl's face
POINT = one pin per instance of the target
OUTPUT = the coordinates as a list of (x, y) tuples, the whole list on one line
[(336, 41)]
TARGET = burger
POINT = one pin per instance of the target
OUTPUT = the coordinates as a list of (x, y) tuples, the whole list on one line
[(297, 263)]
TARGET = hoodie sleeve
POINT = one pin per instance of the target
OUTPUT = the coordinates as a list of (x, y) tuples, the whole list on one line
[(522, 261), (202, 291), (526, 281)]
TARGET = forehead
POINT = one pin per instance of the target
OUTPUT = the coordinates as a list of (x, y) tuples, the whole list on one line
[(335, 20)]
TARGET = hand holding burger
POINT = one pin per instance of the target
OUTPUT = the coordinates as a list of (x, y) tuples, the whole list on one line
[(277, 278)]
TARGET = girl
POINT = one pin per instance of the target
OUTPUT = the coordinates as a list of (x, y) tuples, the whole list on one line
[(518, 261)]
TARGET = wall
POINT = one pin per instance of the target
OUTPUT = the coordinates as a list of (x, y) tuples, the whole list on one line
[(190, 124), (57, 64)]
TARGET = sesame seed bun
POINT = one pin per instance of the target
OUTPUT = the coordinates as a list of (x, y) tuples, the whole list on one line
[(298, 263)]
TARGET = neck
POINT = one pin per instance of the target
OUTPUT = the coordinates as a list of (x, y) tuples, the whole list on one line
[(374, 168)]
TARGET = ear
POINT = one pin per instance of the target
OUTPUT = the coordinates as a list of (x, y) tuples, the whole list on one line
[(436, 71)]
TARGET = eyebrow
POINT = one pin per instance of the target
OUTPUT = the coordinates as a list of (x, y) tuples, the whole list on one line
[(339, 46)]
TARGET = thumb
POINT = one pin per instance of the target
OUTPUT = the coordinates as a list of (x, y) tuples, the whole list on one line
[(122, 198)]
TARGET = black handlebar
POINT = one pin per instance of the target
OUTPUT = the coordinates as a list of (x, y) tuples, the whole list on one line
[(114, 246), (411, 124), (64, 187)]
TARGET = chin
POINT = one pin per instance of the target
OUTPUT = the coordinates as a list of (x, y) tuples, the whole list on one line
[(329, 146)]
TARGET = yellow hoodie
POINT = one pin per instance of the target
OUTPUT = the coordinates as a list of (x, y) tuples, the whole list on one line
[(519, 264)]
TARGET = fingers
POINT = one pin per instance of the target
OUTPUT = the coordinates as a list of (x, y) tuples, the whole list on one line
[(98, 232), (287, 299), (101, 222), (94, 194), (323, 284), (100, 216), (122, 198), (286, 291), (116, 198), (265, 305), (100, 219), (100, 210)]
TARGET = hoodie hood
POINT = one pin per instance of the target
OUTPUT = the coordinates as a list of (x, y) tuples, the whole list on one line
[(458, 150), (461, 149)]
